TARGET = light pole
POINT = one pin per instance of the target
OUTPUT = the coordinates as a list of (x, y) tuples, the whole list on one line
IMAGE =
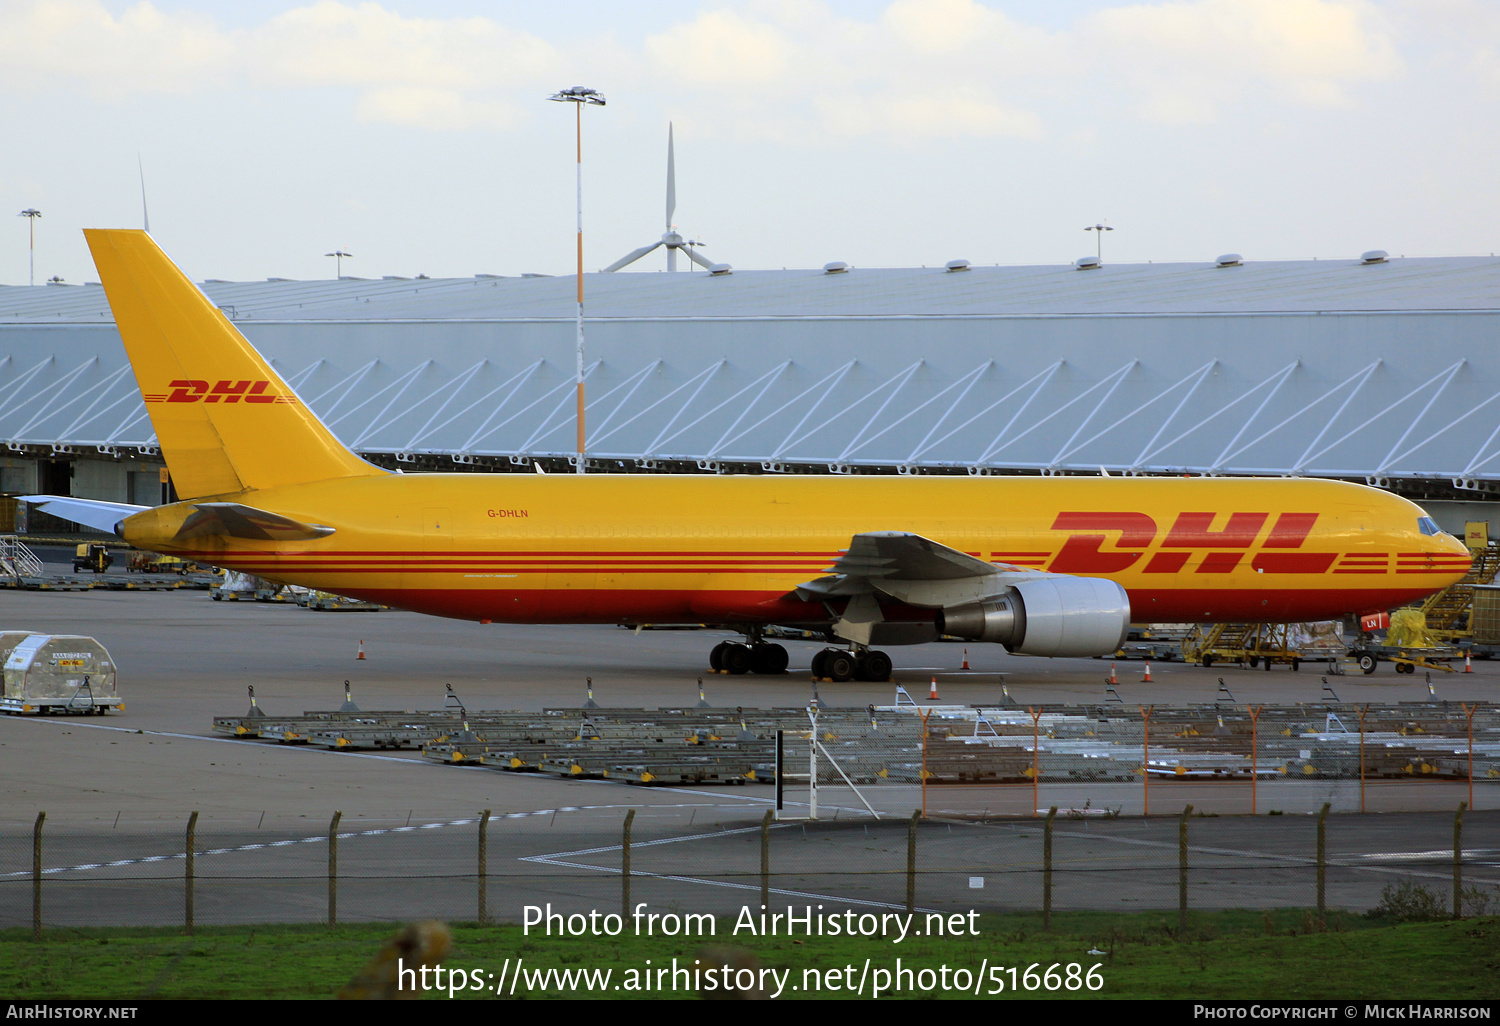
[(580, 96), (1099, 239), (339, 255), (31, 214)]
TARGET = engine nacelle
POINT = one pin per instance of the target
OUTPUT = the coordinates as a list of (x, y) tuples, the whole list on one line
[(1049, 616)]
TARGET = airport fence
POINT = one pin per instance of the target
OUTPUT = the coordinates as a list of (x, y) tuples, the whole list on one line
[(712, 857)]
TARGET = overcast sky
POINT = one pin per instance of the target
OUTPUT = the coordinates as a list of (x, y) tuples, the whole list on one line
[(418, 136)]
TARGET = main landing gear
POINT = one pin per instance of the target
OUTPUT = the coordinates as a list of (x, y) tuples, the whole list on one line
[(756, 657), (862, 664)]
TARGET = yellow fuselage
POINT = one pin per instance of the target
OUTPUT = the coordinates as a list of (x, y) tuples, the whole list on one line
[(636, 548)]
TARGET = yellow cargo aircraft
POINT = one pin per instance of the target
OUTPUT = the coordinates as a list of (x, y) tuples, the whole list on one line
[(1051, 566)]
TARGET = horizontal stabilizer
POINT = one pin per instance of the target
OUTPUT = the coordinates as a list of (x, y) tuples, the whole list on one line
[(95, 513), (239, 521)]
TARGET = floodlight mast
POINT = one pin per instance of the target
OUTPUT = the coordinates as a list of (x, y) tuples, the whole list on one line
[(31, 214), (339, 255), (580, 96), (1099, 239)]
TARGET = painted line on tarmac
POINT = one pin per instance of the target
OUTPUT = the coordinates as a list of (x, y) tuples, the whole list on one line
[(1351, 860), (373, 832), (557, 859), (236, 741)]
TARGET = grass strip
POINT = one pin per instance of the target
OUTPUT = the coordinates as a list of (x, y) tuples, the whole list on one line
[(1223, 955)]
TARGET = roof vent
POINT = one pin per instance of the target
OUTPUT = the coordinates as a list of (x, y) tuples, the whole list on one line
[(1374, 256), (720, 269), (837, 267), (1086, 263), (528, 274), (958, 265), (1230, 260), (281, 279)]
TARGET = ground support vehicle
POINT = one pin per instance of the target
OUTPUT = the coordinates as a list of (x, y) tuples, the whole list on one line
[(1248, 644), (92, 556), (1369, 654)]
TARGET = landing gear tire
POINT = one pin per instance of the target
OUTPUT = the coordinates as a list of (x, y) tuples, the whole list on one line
[(840, 666), (736, 658), (873, 666), (716, 655), (768, 658), (820, 663), (1367, 663)]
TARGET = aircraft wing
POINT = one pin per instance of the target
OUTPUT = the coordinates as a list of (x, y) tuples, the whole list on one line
[(95, 513), (1030, 612), (899, 556), (912, 569), (240, 521)]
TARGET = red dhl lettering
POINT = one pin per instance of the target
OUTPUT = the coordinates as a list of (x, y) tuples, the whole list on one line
[(192, 390), (1087, 552)]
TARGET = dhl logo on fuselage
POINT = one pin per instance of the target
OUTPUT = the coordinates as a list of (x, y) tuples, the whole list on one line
[(186, 390), (1083, 553)]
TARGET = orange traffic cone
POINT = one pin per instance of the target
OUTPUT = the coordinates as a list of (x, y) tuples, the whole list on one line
[(932, 696), (966, 659), (1467, 667), (1147, 678), (361, 649), (1112, 678)]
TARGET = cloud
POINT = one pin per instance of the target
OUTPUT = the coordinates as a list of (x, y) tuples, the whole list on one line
[(143, 49), (920, 69), (425, 72), (909, 70), (1184, 59)]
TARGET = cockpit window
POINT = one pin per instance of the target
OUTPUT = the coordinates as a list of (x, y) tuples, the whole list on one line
[(1428, 526)]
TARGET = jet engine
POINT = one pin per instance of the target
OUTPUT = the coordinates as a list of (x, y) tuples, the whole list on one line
[(1048, 616)]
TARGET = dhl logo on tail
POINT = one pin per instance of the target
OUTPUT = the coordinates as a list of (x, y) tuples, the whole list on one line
[(186, 390)]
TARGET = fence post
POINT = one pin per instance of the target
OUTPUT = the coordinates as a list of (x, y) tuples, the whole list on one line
[(911, 862), (1322, 862), (484, 864), (1458, 861), (192, 842), (333, 869), (1146, 758), (1182, 872), (625, 868), (1362, 711), (765, 860), (1036, 760), (1047, 869), (924, 714), (36, 876), (1254, 751)]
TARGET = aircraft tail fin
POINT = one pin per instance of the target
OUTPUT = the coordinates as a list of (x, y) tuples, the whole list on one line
[(225, 420)]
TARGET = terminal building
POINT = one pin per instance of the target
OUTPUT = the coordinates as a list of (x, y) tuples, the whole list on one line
[(1374, 369)]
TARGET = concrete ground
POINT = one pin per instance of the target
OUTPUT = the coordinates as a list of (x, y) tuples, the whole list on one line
[(120, 788)]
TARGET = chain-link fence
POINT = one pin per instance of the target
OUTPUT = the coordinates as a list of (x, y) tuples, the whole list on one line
[(714, 857)]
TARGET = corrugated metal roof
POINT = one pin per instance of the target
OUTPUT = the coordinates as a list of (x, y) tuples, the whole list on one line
[(1438, 283), (1384, 371)]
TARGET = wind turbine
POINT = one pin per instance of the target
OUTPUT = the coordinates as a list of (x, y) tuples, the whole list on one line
[(670, 238)]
